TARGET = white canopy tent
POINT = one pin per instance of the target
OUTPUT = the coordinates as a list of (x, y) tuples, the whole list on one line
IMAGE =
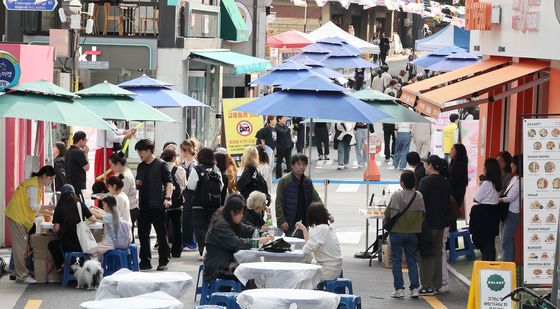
[(330, 29)]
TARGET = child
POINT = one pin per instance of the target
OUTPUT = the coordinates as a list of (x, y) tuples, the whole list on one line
[(115, 185), (110, 217)]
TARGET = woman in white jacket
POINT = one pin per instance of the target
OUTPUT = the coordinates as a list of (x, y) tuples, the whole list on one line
[(346, 138)]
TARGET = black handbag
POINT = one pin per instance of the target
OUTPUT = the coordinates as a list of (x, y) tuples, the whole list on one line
[(503, 207), (393, 220), (279, 245)]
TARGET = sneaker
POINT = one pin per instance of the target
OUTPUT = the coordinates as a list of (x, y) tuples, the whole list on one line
[(398, 293), (29, 280), (321, 157), (345, 166), (200, 258), (340, 167), (162, 267), (327, 157), (443, 290), (426, 292), (176, 256), (145, 267), (415, 293)]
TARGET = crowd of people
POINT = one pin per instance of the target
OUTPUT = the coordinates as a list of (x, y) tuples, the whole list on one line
[(191, 196), (422, 215)]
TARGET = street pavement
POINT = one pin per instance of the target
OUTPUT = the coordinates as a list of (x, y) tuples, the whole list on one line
[(373, 284)]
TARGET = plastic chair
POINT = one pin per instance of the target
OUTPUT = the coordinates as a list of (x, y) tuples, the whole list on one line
[(133, 257), (337, 286), (227, 299), (454, 252), (66, 275), (218, 285), (114, 260), (350, 302), (198, 289)]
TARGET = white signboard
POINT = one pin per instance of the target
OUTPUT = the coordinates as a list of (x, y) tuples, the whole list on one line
[(495, 284), (541, 196)]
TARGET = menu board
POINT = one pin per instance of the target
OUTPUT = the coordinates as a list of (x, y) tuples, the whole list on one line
[(541, 196)]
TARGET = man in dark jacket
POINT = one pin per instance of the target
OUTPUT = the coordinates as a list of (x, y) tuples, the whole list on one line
[(284, 145), (294, 193), (436, 191)]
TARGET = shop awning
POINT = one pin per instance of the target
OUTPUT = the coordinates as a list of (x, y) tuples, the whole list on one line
[(443, 99), (242, 64), (410, 92), (232, 24)]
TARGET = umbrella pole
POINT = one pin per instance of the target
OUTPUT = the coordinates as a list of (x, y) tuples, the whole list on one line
[(105, 156), (52, 158), (367, 171), (310, 154)]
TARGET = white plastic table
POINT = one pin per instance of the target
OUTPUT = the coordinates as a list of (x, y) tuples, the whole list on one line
[(284, 298), (155, 300), (280, 275), (126, 283), (92, 226), (248, 256)]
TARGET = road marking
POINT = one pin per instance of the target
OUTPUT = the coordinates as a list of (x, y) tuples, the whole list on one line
[(350, 188), (33, 304), (434, 302)]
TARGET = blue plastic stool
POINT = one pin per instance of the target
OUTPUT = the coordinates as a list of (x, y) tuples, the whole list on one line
[(350, 302), (218, 285), (337, 286), (197, 288), (227, 299), (114, 260), (454, 253), (133, 258), (66, 275)]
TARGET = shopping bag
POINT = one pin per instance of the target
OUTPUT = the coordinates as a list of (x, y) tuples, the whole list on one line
[(85, 237)]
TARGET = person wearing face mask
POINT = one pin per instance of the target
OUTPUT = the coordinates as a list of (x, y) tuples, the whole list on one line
[(294, 193), (20, 215)]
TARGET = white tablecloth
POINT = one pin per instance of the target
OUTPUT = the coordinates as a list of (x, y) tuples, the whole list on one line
[(280, 275), (126, 283), (283, 298), (248, 256), (155, 300), (297, 242), (92, 226)]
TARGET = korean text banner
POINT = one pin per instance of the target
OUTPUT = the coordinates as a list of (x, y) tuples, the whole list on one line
[(240, 127)]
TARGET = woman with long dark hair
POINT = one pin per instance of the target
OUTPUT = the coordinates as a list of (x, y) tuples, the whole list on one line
[(458, 178), (226, 236), (264, 166), (484, 220), (117, 163), (512, 195), (504, 160), (65, 219)]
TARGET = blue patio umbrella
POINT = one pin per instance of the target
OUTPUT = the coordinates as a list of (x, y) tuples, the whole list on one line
[(436, 56), (347, 62), (454, 62), (314, 97), (333, 45), (157, 93), (286, 72), (316, 67)]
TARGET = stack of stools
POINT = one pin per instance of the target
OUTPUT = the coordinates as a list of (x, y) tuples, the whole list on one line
[(468, 251)]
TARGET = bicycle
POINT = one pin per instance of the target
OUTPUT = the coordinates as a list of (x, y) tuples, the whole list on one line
[(538, 302)]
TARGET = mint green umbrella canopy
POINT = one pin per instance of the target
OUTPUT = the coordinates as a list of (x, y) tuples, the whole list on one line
[(388, 105), (109, 101), (49, 108), (43, 87), (372, 95)]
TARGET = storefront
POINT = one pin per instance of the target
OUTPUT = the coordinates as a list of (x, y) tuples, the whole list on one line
[(20, 139)]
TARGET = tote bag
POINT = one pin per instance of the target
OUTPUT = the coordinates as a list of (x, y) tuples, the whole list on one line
[(85, 237)]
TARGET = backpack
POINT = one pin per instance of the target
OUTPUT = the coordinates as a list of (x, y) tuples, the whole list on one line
[(177, 196), (208, 190), (122, 238)]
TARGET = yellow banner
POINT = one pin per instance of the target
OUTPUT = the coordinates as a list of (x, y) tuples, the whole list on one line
[(240, 127)]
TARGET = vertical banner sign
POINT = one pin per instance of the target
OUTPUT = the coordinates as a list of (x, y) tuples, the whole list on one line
[(240, 127), (541, 196), (469, 138)]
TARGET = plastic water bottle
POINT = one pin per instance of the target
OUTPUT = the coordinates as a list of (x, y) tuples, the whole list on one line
[(255, 240)]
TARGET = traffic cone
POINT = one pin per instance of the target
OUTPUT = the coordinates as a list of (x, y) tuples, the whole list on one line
[(372, 171)]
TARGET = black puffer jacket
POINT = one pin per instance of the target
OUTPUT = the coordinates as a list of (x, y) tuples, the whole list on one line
[(221, 243)]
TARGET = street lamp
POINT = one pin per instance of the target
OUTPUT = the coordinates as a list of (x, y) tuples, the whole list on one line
[(75, 8)]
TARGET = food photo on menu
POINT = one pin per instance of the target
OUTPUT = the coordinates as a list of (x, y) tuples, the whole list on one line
[(549, 167), (531, 133), (536, 205), (537, 145), (556, 183), (534, 167), (556, 132), (542, 183), (543, 132), (550, 204), (550, 145)]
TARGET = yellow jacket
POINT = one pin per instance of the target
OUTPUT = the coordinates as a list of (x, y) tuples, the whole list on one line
[(18, 208), (449, 132)]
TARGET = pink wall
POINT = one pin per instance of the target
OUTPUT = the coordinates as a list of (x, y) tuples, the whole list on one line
[(36, 62)]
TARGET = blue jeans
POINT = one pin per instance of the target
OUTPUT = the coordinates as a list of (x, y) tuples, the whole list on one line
[(361, 154), (508, 236), (402, 147), (343, 153), (407, 242)]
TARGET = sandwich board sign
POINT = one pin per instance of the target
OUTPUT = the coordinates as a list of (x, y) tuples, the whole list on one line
[(491, 281)]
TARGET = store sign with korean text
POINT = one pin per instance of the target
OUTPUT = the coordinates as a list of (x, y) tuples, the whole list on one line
[(9, 70), (30, 5), (88, 59), (541, 198)]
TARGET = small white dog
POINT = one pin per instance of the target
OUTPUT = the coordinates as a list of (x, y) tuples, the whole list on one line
[(90, 274)]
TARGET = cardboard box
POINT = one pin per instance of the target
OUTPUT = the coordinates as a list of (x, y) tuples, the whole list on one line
[(386, 256), (43, 262)]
